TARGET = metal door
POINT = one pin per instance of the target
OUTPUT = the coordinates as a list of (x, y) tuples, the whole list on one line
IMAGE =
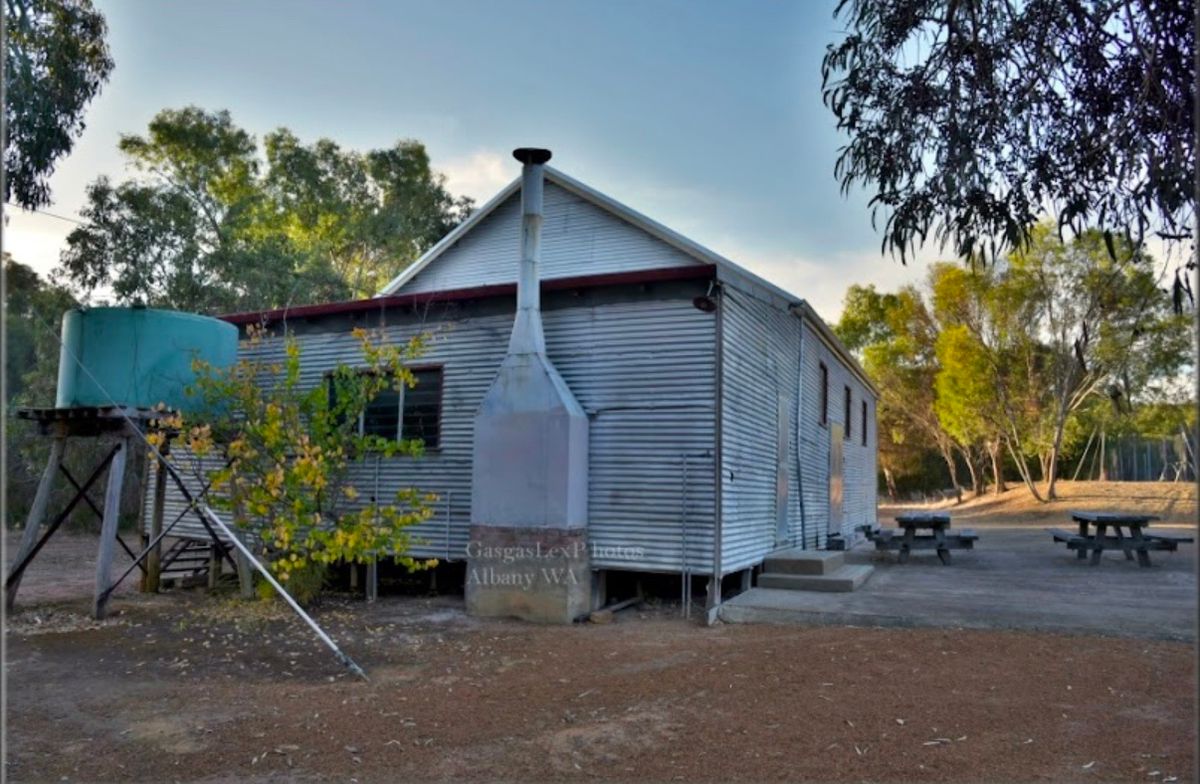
[(835, 478), (782, 535)]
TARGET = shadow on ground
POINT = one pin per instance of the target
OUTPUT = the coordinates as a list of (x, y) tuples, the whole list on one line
[(1016, 578)]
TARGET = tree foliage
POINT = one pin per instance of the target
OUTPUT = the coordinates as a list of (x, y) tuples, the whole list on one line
[(209, 225), (970, 119), (1006, 361), (55, 61), (894, 334), (288, 447)]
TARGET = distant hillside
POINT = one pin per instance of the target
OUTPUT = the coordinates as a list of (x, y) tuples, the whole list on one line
[(1174, 502)]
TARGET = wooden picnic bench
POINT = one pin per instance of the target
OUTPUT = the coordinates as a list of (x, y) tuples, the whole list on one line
[(904, 539), (1138, 541)]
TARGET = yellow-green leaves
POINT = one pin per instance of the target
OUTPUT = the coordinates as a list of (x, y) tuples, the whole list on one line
[(290, 447)]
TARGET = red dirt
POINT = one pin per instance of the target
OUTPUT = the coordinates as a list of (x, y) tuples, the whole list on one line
[(187, 687)]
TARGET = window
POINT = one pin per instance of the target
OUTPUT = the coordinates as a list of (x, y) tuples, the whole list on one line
[(422, 417), (381, 417), (410, 412), (824, 394), (846, 417), (864, 423)]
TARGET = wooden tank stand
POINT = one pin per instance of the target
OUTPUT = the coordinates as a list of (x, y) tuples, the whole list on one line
[(124, 425)]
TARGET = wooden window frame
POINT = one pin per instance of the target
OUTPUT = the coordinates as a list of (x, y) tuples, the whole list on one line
[(864, 423), (423, 368), (849, 414), (441, 395), (824, 374)]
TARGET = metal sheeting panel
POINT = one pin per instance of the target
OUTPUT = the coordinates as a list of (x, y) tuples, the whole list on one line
[(858, 461), (578, 238), (194, 472), (642, 368), (762, 357)]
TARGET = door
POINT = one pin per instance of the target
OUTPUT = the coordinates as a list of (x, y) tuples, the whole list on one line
[(782, 534), (836, 486)]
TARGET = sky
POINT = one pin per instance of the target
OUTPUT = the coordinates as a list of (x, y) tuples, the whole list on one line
[(705, 116)]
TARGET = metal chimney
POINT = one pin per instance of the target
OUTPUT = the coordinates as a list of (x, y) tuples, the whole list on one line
[(527, 556), (527, 336)]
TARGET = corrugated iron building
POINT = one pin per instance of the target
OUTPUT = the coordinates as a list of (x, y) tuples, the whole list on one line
[(725, 420)]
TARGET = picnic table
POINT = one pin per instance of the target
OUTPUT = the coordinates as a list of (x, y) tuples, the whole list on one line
[(939, 538), (1137, 540)]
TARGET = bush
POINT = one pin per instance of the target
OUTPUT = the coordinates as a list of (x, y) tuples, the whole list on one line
[(304, 584)]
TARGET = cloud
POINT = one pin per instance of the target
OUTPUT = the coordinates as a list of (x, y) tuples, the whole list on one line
[(823, 281), (35, 239), (479, 175)]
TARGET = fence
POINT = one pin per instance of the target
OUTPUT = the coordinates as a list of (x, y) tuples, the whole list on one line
[(1138, 459)]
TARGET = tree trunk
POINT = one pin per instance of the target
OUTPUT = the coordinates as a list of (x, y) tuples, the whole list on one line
[(998, 487), (1051, 470), (1103, 459), (976, 484), (948, 456), (1023, 470), (1052, 474), (890, 479)]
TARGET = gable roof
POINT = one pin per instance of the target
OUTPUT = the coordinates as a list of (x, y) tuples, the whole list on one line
[(725, 267)]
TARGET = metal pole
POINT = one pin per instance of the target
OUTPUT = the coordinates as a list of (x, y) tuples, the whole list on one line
[(684, 575), (346, 661)]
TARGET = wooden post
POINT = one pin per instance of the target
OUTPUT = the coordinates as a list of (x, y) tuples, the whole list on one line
[(37, 512), (599, 589), (150, 582), (712, 599), (372, 580), (245, 575), (108, 528), (215, 562)]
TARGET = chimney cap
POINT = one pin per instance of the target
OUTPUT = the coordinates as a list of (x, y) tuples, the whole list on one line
[(528, 155)]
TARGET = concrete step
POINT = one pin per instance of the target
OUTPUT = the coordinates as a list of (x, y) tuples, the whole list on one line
[(842, 580), (797, 561)]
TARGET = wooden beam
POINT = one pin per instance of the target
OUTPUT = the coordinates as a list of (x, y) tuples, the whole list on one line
[(108, 528), (154, 558), (33, 522)]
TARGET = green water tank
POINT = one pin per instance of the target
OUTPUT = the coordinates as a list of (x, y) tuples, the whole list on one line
[(137, 357)]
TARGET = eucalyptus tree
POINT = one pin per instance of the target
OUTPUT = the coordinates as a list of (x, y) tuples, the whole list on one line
[(209, 224), (970, 120), (56, 59)]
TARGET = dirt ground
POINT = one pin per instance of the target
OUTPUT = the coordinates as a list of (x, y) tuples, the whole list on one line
[(191, 687), (1173, 502)]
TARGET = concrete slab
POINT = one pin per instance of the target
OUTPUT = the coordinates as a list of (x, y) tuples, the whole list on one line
[(1016, 578), (797, 561), (845, 578)]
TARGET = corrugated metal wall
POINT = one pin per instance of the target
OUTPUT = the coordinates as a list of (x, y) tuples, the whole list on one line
[(642, 366), (762, 349), (859, 461), (760, 357), (578, 238)]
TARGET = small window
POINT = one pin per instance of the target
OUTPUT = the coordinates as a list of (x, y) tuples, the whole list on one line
[(849, 408), (381, 417), (824, 394), (864, 423), (410, 412), (423, 408)]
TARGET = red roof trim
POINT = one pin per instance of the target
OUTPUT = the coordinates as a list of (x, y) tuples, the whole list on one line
[(696, 272)]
